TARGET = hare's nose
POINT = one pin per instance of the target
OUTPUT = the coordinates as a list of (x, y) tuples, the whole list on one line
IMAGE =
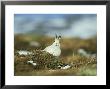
[(56, 44)]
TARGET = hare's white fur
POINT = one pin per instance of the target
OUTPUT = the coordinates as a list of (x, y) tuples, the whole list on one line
[(54, 49)]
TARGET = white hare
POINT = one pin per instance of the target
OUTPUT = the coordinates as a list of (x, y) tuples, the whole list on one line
[(54, 49)]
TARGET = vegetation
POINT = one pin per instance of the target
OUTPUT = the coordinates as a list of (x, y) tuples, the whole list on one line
[(47, 65)]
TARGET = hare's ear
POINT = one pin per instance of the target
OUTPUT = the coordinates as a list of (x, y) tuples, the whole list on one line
[(56, 36)]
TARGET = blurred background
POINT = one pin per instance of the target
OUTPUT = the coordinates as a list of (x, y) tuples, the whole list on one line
[(68, 25), (37, 31)]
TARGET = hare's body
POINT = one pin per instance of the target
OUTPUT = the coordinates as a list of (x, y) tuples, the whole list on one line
[(54, 49)]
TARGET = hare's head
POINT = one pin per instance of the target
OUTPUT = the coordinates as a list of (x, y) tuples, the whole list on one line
[(57, 41)]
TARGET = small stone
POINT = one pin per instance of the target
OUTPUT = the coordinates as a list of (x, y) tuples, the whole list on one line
[(30, 62), (34, 64)]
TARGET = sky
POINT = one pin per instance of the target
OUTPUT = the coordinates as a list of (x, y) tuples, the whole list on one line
[(67, 25)]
